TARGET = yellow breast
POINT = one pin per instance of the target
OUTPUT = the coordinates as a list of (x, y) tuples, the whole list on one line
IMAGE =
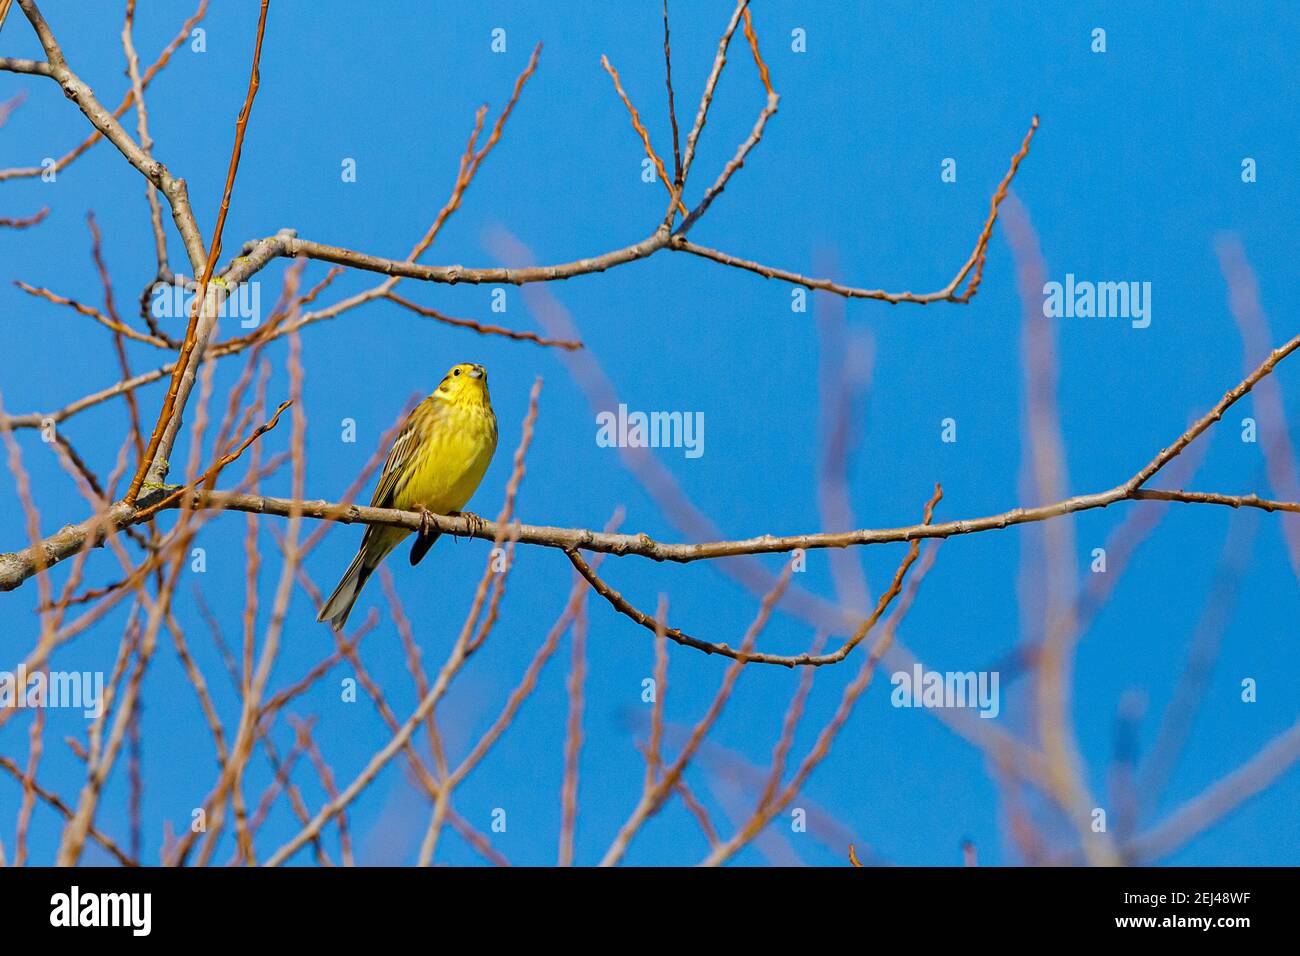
[(459, 443)]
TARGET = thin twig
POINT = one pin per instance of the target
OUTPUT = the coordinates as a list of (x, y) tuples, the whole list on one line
[(821, 747), (203, 315), (654, 794), (146, 144), (43, 69), (25, 222), (445, 675), (641, 131), (672, 108), (481, 328)]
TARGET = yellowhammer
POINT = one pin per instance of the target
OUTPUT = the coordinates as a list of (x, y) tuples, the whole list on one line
[(435, 465)]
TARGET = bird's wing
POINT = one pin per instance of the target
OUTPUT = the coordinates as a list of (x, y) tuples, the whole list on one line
[(395, 468)]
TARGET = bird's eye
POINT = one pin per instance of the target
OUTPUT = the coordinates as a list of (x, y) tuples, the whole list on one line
[(455, 372)]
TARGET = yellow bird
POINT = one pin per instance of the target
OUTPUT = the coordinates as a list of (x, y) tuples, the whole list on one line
[(435, 465)]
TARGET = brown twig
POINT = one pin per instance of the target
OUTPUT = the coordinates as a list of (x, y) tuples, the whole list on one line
[(347, 650), (752, 37), (823, 615), (947, 293), (786, 660), (80, 93), (35, 554), (52, 798), (789, 725), (96, 253), (742, 152), (573, 739), (645, 136), (470, 639), (245, 738), (672, 107), (821, 747), (692, 803), (288, 245), (281, 782), (26, 222), (481, 328), (326, 774), (35, 747), (146, 145), (203, 316), (285, 244), (453, 664), (106, 321), (43, 69), (654, 794), (15, 567), (710, 85), (473, 160), (177, 496), (653, 757)]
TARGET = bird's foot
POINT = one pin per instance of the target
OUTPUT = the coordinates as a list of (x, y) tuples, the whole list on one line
[(425, 537), (475, 523)]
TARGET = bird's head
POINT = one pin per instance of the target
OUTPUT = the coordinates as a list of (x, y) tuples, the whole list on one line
[(465, 384)]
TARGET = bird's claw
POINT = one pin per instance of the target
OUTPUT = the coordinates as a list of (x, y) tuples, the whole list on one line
[(473, 521)]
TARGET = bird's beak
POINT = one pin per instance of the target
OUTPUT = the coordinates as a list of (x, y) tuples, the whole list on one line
[(477, 371)]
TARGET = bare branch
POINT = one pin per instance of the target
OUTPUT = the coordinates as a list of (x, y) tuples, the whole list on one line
[(106, 123), (479, 327), (26, 222), (92, 313), (66, 812), (43, 69), (204, 316), (645, 136), (947, 294), (672, 107), (146, 142)]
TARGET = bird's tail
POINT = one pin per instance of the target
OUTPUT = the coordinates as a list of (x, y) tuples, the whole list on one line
[(374, 548)]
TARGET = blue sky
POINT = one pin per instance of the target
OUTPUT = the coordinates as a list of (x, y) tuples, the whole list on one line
[(1134, 173)]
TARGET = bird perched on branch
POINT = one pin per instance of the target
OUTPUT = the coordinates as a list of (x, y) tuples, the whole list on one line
[(435, 465)]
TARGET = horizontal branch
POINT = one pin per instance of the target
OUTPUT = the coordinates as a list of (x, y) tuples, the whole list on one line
[(1211, 498), (286, 244), (13, 64), (642, 545), (659, 627), (16, 567)]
